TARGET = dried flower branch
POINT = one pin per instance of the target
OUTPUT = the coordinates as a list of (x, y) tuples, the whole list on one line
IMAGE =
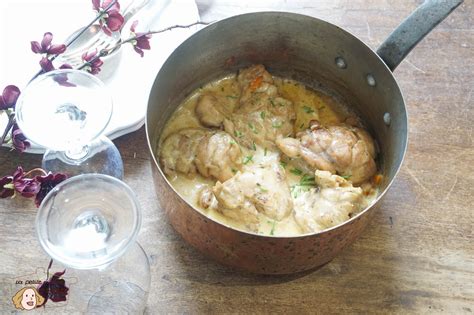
[(110, 20), (35, 183)]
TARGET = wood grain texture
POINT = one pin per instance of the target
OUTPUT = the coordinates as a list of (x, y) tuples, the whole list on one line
[(415, 257)]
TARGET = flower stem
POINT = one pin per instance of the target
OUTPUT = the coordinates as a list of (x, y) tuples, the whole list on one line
[(11, 121), (42, 171), (169, 28), (105, 52)]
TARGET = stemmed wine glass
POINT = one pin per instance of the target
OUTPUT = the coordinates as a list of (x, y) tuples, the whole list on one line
[(66, 111), (89, 224)]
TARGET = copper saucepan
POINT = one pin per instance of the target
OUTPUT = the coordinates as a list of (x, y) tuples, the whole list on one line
[(318, 54)]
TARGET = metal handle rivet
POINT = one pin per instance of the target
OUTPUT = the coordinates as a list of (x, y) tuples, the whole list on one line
[(341, 63)]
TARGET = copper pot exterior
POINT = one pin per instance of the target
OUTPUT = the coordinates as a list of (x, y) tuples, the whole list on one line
[(298, 47)]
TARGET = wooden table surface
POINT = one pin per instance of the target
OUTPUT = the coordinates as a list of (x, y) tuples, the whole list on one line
[(416, 256)]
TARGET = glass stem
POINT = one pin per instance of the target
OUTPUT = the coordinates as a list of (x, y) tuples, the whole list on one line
[(77, 154)]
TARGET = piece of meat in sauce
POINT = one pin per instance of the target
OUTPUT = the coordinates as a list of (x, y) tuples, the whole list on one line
[(346, 150), (212, 109), (259, 188), (218, 156), (262, 115), (211, 153), (331, 204)]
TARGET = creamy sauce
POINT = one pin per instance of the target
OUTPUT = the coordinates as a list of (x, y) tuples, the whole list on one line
[(308, 104)]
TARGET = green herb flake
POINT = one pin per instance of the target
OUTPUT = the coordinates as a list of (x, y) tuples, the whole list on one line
[(283, 164), (272, 231), (252, 127), (296, 171), (307, 180), (271, 102), (277, 124), (232, 141), (233, 170), (261, 188), (302, 126), (231, 96), (265, 152), (247, 159), (254, 147), (308, 110), (262, 115), (238, 134), (346, 176)]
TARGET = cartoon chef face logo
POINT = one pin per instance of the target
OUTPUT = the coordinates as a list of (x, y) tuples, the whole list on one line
[(27, 299)]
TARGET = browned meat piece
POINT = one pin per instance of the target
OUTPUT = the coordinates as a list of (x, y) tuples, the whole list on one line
[(342, 149), (212, 154)]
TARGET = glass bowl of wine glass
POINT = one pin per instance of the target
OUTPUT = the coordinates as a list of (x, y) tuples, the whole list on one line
[(88, 225), (66, 111)]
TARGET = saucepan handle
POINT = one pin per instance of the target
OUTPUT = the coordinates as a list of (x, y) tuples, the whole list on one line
[(413, 29)]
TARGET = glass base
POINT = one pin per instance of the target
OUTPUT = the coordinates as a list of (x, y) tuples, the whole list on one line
[(101, 156), (121, 287)]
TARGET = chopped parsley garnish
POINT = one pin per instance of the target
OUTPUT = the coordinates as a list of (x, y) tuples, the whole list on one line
[(283, 164), (247, 159), (305, 184), (232, 141), (302, 125), (262, 115), (308, 110), (265, 152), (233, 170), (252, 127), (238, 134), (231, 96), (261, 188), (346, 176), (277, 124), (296, 171), (254, 147), (307, 180), (272, 231), (271, 102)]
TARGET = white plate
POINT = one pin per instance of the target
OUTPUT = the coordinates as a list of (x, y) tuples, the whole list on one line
[(22, 21)]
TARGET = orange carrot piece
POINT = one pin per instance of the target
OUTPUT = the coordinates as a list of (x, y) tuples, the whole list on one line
[(377, 179), (256, 83)]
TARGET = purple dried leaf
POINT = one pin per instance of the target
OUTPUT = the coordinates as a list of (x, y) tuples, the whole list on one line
[(36, 47), (9, 97), (143, 42), (47, 183), (114, 21), (56, 49), (96, 4), (19, 141), (46, 64), (139, 51), (46, 42), (54, 289), (27, 187)]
